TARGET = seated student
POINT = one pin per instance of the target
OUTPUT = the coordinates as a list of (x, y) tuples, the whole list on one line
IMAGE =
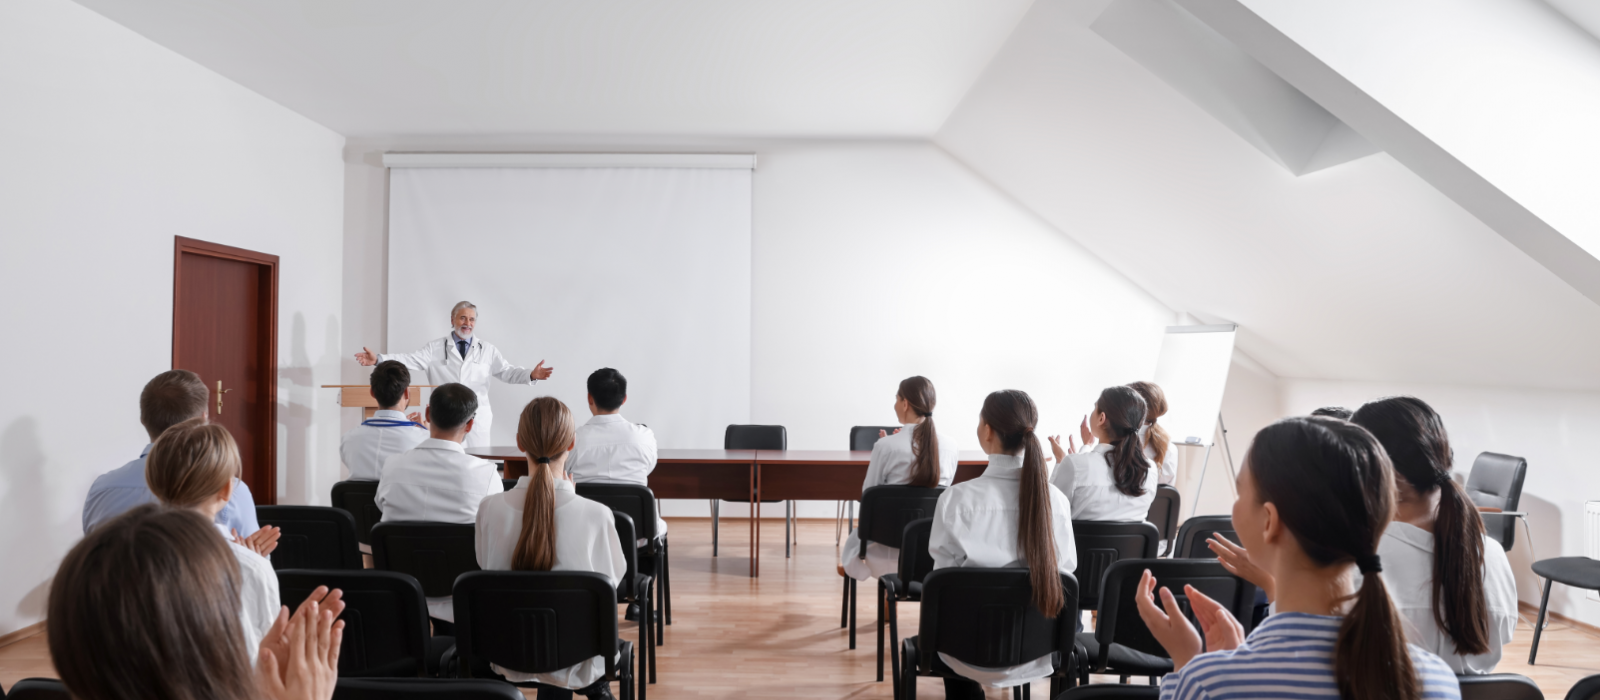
[(194, 466), (543, 525), (609, 449), (1111, 480), (144, 608), (167, 400), (1009, 516), (389, 431), (1451, 581), (915, 455), (1339, 412), (1308, 518), (1157, 444), (437, 481)]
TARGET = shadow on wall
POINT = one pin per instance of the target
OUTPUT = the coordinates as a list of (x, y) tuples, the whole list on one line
[(298, 390), (1544, 520), (25, 507)]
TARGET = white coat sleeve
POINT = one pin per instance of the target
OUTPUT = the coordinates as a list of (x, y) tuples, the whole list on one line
[(414, 361), (1169, 467), (949, 462), (609, 551), (480, 535), (1066, 476), (874, 467), (507, 372), (944, 542)]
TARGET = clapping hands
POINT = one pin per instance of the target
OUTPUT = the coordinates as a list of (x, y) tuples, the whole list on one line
[(1169, 626), (262, 541), (299, 658)]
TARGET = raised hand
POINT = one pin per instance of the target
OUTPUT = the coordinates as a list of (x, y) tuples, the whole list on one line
[(262, 541), (1168, 626), (277, 641), (1221, 630), (1057, 450), (882, 434), (417, 418), (1237, 561), (1085, 433), (541, 372), (306, 665), (366, 358)]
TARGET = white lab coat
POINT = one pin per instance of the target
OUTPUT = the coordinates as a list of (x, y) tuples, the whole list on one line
[(366, 448), (975, 525), (1085, 477), (1169, 466), (586, 540), (890, 466), (1407, 554), (258, 594), (610, 450), (436, 482), (441, 362)]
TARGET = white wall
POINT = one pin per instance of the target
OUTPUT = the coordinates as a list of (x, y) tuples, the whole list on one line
[(113, 145)]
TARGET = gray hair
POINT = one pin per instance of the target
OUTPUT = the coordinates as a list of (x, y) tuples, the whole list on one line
[(462, 305)]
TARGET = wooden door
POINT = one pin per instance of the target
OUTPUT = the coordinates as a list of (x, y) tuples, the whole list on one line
[(224, 328)]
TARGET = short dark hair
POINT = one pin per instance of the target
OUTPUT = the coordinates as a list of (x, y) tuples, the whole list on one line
[(452, 405), (390, 379), (1339, 412), (170, 398), (609, 388)]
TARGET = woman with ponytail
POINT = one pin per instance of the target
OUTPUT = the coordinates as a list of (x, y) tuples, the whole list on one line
[(1315, 495), (1010, 516), (1109, 479), (544, 525), (1157, 443), (915, 455), (1452, 583)]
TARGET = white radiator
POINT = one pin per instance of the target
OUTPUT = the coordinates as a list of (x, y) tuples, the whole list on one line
[(1591, 536)]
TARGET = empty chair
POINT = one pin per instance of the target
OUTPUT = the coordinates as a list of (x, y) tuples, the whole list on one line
[(754, 437), (1496, 482), (424, 689), (359, 499), (639, 502), (1121, 643), (1191, 542), (1164, 515), (313, 537), (1586, 689), (1578, 572), (1101, 544), (385, 620), (634, 587), (885, 512), (862, 439), (38, 689), (432, 553), (1499, 686), (903, 585)]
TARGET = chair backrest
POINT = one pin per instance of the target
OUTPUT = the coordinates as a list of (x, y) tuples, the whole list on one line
[(863, 437), (638, 501), (885, 511), (38, 689), (985, 617), (1499, 686), (535, 621), (755, 437), (313, 537), (1496, 480), (1102, 543), (1191, 542), (915, 560), (1587, 688), (359, 499), (424, 689), (508, 484), (433, 553), (1099, 691), (630, 552), (1119, 619), (1164, 512), (385, 618)]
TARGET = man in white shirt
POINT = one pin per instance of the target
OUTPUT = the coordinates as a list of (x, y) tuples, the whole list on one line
[(609, 449), (389, 431)]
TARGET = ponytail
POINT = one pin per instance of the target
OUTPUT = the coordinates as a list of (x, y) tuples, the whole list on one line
[(918, 394), (1012, 415), (544, 433), (1124, 410), (1370, 659), (1155, 404)]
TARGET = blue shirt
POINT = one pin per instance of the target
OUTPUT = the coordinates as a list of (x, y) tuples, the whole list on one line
[(1289, 656), (122, 489)]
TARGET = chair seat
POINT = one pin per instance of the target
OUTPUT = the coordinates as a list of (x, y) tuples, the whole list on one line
[(1124, 661), (1579, 572)]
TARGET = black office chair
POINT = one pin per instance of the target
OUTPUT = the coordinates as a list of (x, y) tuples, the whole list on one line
[(1496, 482), (754, 437), (38, 689), (1121, 644), (1102, 543), (313, 537), (903, 585), (359, 499), (639, 502), (385, 621), (1191, 542), (634, 588), (1499, 686), (1105, 691), (985, 617), (1586, 689), (538, 622), (508, 484), (1163, 514), (432, 553), (1578, 572), (424, 689), (885, 512), (862, 439)]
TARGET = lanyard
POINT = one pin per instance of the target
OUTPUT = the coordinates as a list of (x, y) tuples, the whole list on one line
[(388, 423)]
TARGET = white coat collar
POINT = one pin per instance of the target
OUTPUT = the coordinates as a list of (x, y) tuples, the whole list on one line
[(1004, 467), (1410, 534), (1101, 447), (437, 444), (390, 415), (607, 418)]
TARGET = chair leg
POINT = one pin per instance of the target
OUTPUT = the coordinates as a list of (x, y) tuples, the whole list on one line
[(715, 507), (838, 523), (1539, 626), (647, 636), (666, 581), (880, 631), (844, 602), (786, 507), (852, 613), (908, 676), (894, 643)]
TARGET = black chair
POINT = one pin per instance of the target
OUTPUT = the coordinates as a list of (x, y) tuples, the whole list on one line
[(1499, 686), (754, 437), (1163, 514), (885, 512), (985, 617), (313, 537), (1578, 572), (639, 502), (1121, 644), (1496, 482), (634, 588), (38, 689), (1103, 543), (385, 621), (1191, 542), (1106, 691), (1586, 689), (359, 499), (424, 689), (862, 439), (903, 585), (432, 553), (508, 484), (538, 622)]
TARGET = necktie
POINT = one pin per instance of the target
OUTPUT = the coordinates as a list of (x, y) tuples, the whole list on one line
[(462, 346)]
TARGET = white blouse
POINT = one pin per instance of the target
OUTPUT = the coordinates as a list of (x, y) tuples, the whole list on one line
[(1169, 463), (891, 466), (586, 540), (1407, 554), (975, 525), (1085, 477), (258, 594)]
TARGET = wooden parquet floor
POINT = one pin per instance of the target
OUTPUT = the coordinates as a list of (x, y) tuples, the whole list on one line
[(779, 637)]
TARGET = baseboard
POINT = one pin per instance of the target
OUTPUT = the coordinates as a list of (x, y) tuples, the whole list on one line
[(21, 634), (1533, 614)]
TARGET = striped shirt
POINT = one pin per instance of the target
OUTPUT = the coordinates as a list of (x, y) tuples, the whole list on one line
[(1289, 656)]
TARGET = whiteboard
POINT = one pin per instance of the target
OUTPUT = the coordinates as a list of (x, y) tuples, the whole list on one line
[(1193, 372)]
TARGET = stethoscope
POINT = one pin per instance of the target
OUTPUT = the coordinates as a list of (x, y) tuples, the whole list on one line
[(450, 346), (390, 423)]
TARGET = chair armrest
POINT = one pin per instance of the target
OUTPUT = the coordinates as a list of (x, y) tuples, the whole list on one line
[(890, 583)]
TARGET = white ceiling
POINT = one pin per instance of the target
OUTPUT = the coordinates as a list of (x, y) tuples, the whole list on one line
[(884, 68)]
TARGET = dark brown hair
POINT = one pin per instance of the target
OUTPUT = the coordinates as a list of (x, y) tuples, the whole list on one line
[(1155, 406), (191, 463), (544, 432), (1334, 490), (390, 380), (147, 606), (170, 398), (1414, 436), (1124, 410), (918, 393), (1012, 416)]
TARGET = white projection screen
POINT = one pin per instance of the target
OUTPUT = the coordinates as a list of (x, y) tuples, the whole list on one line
[(644, 269), (1193, 372)]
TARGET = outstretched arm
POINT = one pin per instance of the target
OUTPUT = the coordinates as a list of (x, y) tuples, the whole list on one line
[(515, 374), (414, 361)]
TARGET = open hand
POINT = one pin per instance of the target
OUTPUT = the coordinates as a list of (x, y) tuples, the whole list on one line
[(417, 418), (305, 666), (1237, 561), (1221, 630), (882, 434), (262, 541), (541, 372), (1168, 626), (1057, 450), (1085, 433), (366, 358), (277, 641)]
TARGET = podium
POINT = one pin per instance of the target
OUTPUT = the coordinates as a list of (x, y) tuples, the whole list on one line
[(360, 396)]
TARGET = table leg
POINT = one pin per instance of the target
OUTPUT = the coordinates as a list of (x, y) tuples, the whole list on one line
[(755, 520)]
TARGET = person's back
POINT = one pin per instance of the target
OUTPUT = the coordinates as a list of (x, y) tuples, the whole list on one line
[(915, 455), (608, 448), (1110, 480), (1158, 447), (437, 481), (367, 447), (1407, 553)]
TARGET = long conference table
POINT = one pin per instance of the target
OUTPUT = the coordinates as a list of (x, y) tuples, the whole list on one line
[(752, 476)]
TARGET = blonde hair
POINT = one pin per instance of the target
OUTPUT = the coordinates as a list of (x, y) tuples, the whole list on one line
[(544, 432), (191, 463)]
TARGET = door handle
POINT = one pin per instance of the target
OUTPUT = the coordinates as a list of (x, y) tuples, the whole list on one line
[(220, 392)]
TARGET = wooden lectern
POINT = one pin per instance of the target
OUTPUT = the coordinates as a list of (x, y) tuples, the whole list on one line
[(360, 396)]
